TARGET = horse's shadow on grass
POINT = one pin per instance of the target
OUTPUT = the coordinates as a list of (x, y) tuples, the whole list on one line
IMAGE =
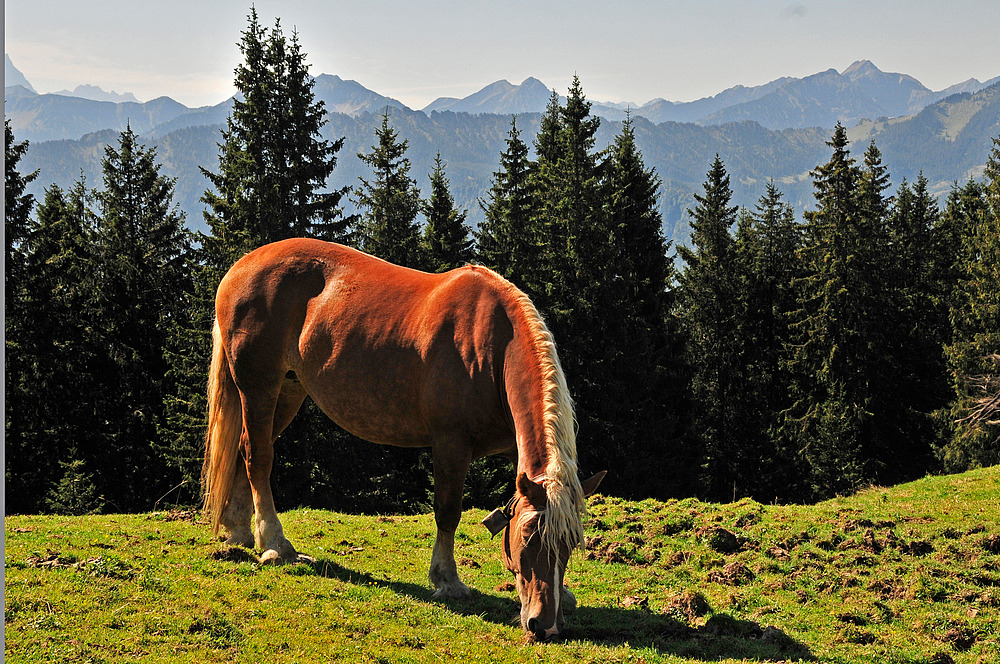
[(721, 637)]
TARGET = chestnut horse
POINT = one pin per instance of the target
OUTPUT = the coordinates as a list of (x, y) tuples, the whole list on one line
[(460, 362)]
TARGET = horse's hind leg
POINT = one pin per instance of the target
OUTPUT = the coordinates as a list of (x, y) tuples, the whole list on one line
[(258, 449), (237, 517), (451, 463), (239, 510)]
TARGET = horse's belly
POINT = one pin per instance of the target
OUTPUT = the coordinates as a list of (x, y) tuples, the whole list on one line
[(372, 407)]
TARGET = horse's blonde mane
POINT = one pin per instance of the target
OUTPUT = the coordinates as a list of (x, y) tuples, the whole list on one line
[(565, 506)]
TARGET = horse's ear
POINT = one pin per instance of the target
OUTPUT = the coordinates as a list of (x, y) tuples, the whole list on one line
[(590, 486), (533, 491)]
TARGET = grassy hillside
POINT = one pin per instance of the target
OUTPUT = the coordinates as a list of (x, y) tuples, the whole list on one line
[(908, 574)]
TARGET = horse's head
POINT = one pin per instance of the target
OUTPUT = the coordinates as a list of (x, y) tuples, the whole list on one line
[(538, 569), (537, 561)]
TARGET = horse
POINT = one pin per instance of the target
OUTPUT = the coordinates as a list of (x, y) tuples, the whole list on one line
[(460, 362)]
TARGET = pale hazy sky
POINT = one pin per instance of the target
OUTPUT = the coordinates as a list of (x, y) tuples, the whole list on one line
[(417, 51)]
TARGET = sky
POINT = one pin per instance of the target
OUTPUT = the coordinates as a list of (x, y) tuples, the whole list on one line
[(622, 50)]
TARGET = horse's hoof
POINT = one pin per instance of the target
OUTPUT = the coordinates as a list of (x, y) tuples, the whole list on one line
[(303, 559), (455, 590), (568, 599), (271, 557)]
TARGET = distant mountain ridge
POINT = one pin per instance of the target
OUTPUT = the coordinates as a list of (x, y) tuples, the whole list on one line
[(948, 139), (97, 94), (500, 98), (12, 76), (862, 92)]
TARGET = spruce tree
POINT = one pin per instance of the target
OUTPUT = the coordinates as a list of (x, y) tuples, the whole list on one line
[(974, 353), (644, 388), (767, 244), (389, 201), (17, 211), (820, 421), (708, 306), (272, 183), (447, 242), (51, 366), (570, 216), (574, 282), (140, 261), (854, 419), (273, 164), (918, 252), (506, 239)]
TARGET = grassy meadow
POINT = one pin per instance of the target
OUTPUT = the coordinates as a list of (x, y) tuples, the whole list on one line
[(906, 574)]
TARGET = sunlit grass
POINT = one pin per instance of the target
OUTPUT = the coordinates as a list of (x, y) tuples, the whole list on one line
[(908, 574)]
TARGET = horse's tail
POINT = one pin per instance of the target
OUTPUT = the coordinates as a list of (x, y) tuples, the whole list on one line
[(222, 439)]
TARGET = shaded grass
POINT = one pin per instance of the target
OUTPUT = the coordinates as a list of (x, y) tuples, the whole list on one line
[(908, 574)]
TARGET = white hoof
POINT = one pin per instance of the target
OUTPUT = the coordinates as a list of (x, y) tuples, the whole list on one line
[(283, 553), (452, 590), (568, 599)]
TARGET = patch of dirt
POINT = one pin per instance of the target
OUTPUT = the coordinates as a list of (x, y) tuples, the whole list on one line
[(674, 559), (917, 548), (733, 574), (52, 561), (689, 603), (630, 601), (778, 553), (609, 552), (468, 562), (181, 515), (940, 658), (233, 554), (505, 587), (992, 544), (869, 542), (720, 540), (960, 638)]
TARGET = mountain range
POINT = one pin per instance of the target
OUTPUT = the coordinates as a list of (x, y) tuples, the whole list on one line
[(777, 130)]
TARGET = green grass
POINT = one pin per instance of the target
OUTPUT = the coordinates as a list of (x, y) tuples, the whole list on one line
[(908, 574)]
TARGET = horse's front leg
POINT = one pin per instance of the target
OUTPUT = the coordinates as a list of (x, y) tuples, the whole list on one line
[(451, 463)]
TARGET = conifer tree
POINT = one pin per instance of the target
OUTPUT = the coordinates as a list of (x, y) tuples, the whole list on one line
[(828, 416), (708, 305), (51, 366), (17, 210), (644, 386), (853, 351), (974, 351), (389, 201), (447, 242), (574, 282), (767, 242), (273, 163), (575, 241), (918, 252), (140, 254), (506, 238)]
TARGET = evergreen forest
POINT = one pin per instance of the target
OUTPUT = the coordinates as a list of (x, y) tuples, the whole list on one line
[(780, 358)]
